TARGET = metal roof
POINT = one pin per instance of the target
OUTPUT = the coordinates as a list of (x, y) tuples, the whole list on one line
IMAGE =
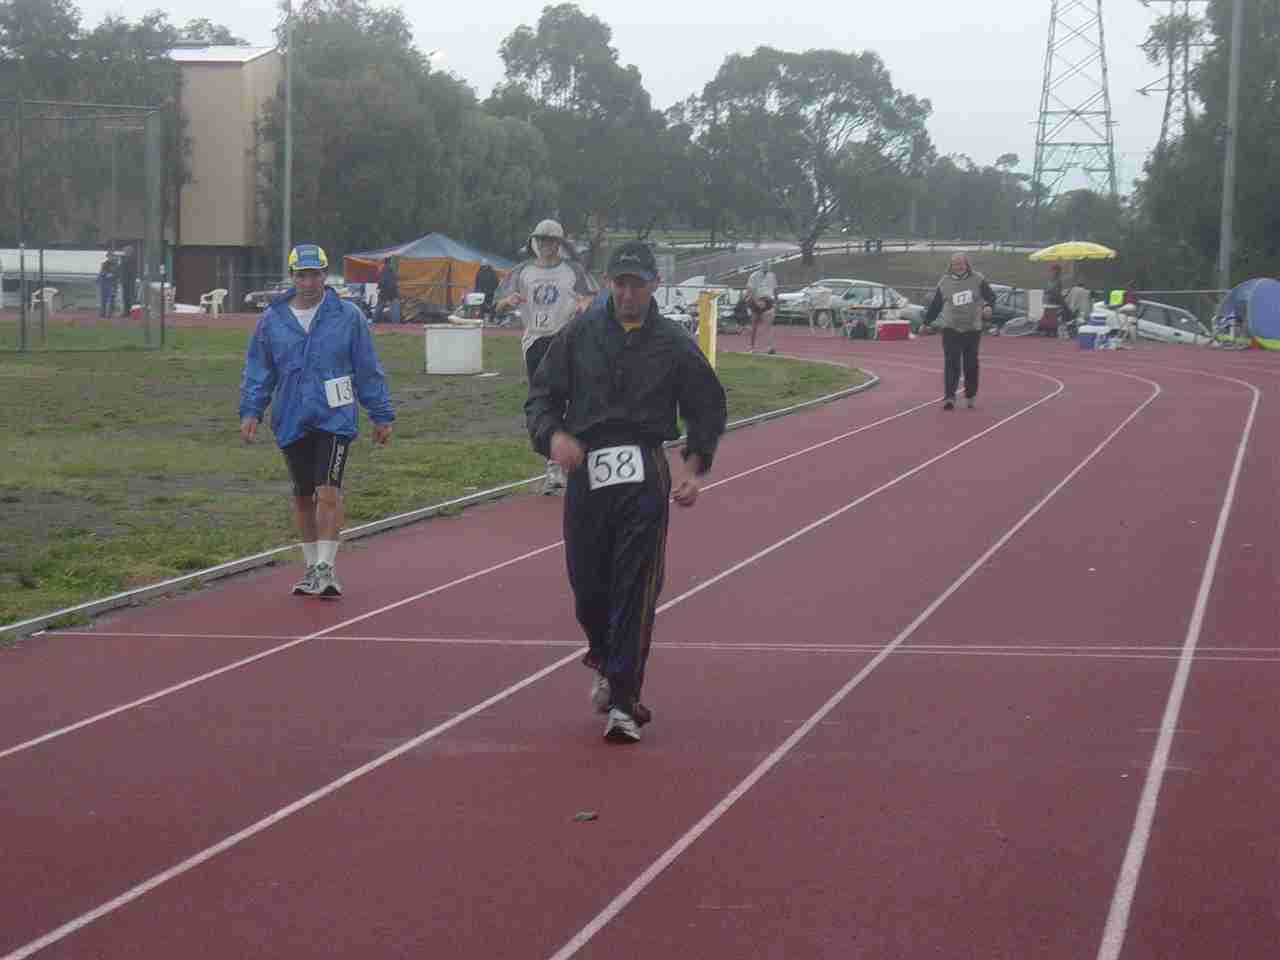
[(219, 54)]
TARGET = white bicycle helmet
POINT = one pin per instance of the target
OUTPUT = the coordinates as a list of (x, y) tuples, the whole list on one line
[(548, 228)]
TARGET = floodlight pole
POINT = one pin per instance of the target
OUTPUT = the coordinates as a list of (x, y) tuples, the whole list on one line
[(286, 227), (1229, 168)]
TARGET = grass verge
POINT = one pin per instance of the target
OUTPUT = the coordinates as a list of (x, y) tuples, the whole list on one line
[(913, 273), (126, 468)]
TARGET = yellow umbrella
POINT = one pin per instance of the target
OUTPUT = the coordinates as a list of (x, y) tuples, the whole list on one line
[(1075, 250)]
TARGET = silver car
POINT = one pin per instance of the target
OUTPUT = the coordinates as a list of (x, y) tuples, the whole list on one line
[(851, 294)]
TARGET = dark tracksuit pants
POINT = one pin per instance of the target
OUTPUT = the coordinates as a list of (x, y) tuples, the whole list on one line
[(960, 349), (615, 545)]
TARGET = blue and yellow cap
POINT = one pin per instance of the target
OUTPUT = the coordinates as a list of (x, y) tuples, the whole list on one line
[(308, 256)]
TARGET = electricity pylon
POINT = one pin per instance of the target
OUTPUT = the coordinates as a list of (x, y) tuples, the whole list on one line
[(1170, 42), (1074, 132)]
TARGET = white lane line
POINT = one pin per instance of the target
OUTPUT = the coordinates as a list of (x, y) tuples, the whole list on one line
[(168, 636), (637, 886), (236, 665), (917, 650), (114, 711), (1113, 934), (53, 936), (727, 644), (822, 521), (191, 862)]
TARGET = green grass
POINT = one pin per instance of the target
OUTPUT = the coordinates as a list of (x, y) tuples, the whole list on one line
[(77, 330), (126, 468)]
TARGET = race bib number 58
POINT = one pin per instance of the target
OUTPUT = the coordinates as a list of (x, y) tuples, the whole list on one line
[(610, 466)]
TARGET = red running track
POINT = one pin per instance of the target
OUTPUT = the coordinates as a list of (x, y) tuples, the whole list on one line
[(992, 683)]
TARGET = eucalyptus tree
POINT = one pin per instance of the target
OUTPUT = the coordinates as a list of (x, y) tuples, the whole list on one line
[(810, 129)]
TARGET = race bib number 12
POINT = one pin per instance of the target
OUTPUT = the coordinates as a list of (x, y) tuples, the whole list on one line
[(338, 392), (610, 466), (963, 298)]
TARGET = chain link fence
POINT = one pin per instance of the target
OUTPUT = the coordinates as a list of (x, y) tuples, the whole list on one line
[(82, 262)]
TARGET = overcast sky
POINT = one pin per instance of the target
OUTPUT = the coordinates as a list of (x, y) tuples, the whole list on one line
[(980, 63)]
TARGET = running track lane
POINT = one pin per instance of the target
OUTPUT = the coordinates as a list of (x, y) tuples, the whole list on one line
[(163, 726), (151, 736), (980, 799), (482, 542), (663, 682)]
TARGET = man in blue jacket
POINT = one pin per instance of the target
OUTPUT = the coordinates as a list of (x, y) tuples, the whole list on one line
[(311, 356)]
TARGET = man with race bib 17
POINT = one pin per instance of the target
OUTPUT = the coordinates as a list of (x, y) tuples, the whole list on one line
[(311, 358), (964, 299), (602, 402), (549, 291)]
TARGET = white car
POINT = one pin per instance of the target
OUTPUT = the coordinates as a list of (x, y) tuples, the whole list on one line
[(1156, 321), (850, 293)]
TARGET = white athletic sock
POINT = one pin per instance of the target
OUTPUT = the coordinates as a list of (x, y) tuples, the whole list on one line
[(309, 553), (327, 551)]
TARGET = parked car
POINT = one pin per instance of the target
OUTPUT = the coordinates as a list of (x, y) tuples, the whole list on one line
[(1162, 322), (850, 294), (1011, 302), (680, 303), (258, 300)]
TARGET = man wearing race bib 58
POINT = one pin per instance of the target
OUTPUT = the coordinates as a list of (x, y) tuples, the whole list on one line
[(602, 402), (311, 358), (549, 291), (964, 298)]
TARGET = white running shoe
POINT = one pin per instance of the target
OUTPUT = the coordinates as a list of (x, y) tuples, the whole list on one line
[(600, 693), (554, 483), (306, 587), (621, 728), (327, 584)]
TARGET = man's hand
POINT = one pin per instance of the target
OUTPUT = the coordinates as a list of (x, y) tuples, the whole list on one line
[(986, 312), (515, 300), (248, 429), (566, 451), (584, 301), (686, 491), (381, 433)]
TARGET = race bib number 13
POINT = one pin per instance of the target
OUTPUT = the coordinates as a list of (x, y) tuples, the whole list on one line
[(338, 391), (610, 466)]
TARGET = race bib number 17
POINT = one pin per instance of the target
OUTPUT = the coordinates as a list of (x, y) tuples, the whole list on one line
[(610, 466)]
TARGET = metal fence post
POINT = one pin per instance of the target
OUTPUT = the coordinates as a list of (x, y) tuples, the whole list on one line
[(22, 245), (152, 244)]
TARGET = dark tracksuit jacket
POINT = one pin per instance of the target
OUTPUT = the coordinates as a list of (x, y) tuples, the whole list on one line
[(608, 387)]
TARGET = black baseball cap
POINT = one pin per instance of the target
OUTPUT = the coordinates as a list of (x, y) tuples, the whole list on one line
[(634, 258)]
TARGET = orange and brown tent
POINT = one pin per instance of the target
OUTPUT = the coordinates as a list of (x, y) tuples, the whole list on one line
[(435, 272)]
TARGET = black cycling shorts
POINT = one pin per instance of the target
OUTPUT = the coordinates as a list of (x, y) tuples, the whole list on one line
[(317, 460), (533, 356)]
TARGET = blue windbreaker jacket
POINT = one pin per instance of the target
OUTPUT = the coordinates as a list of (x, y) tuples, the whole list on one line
[(287, 367)]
